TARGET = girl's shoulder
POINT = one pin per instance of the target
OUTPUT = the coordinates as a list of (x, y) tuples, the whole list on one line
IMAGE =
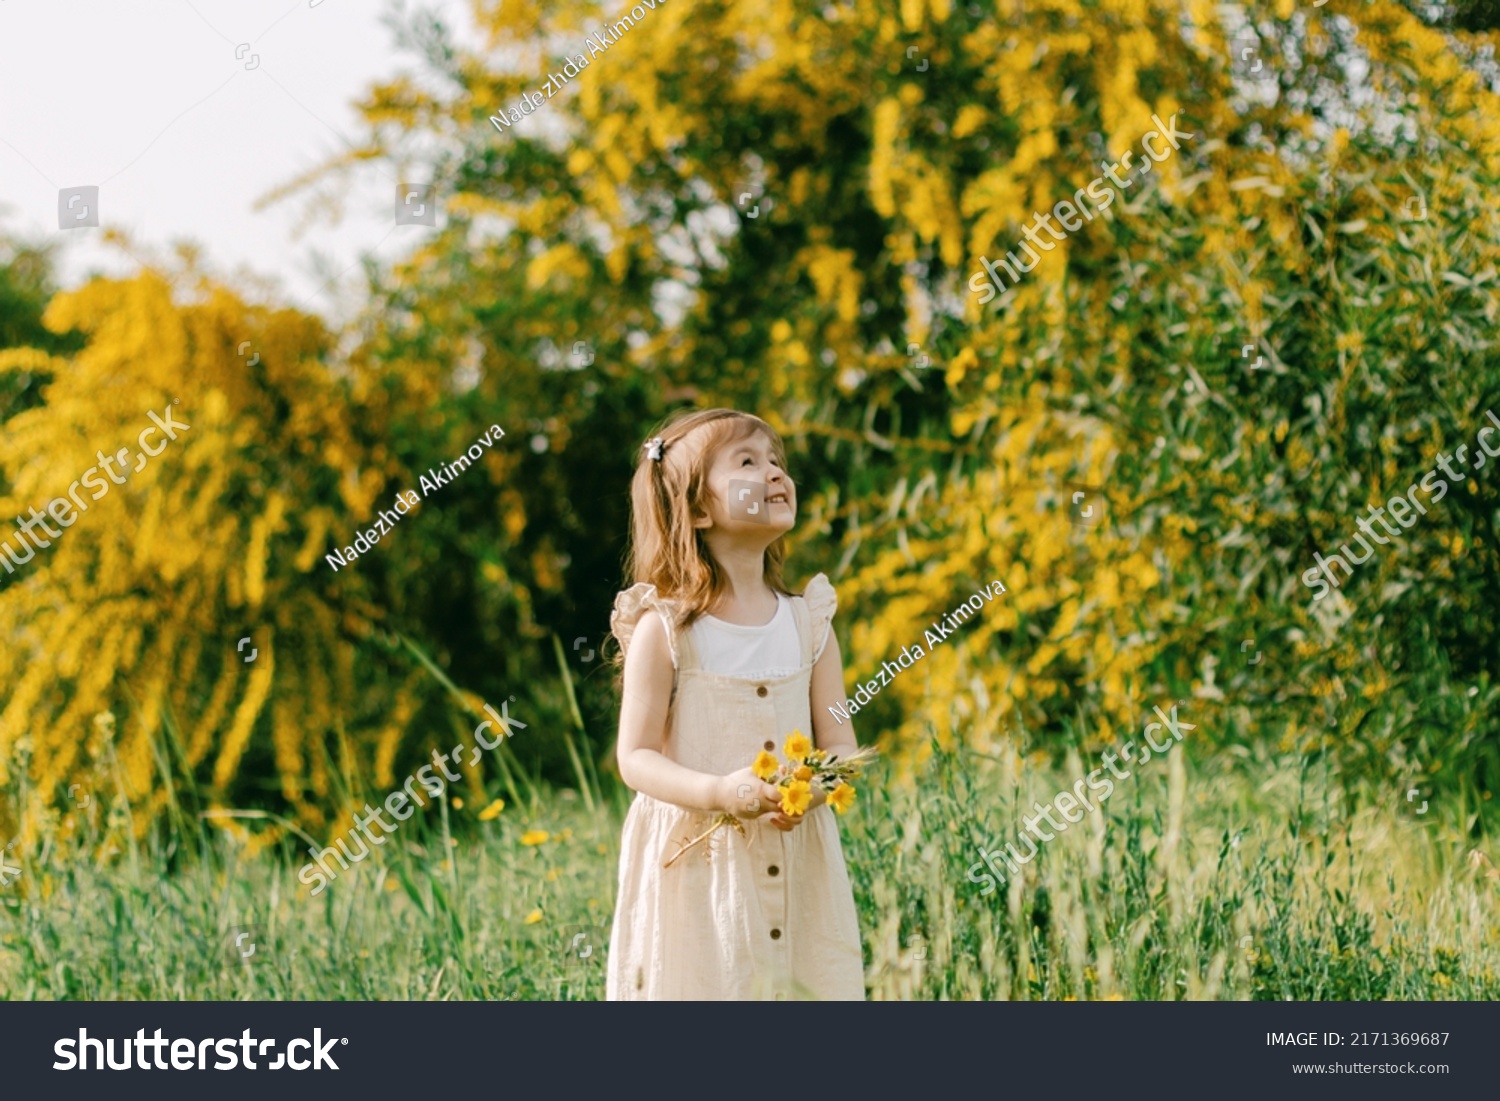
[(822, 602), (633, 603), (822, 599)]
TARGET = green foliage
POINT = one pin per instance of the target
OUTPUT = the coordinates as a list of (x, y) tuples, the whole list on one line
[(613, 219), (1270, 893)]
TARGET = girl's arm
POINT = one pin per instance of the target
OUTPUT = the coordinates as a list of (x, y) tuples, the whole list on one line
[(830, 732), (643, 730)]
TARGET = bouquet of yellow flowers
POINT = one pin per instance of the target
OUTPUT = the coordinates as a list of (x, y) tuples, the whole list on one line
[(804, 767)]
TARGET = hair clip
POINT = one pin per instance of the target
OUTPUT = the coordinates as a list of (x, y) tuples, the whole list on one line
[(654, 447)]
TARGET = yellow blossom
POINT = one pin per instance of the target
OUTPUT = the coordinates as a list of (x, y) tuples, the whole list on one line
[(765, 765), (841, 798), (492, 811), (797, 747), (533, 917), (534, 837), (802, 772), (796, 797)]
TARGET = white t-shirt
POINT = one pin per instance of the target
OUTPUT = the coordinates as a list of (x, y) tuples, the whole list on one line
[(761, 653)]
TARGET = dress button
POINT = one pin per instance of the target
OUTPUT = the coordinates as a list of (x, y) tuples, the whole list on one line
[(773, 870), (775, 934), (761, 690), (770, 746)]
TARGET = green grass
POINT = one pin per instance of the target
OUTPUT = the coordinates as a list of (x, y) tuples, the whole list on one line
[(1150, 898)]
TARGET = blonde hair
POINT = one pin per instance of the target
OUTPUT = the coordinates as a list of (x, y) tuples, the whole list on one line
[(665, 496)]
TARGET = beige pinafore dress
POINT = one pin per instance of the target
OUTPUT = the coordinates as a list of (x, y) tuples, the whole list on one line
[(768, 918)]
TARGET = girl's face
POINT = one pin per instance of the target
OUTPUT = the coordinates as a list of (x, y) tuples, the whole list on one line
[(748, 491)]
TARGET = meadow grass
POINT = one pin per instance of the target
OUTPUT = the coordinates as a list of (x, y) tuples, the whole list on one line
[(1189, 883)]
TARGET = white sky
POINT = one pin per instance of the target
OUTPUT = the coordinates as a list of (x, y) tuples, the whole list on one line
[(146, 100)]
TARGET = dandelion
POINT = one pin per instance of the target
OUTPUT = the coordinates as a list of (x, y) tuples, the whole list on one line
[(534, 837), (492, 811), (797, 747), (534, 917), (802, 772), (458, 803)]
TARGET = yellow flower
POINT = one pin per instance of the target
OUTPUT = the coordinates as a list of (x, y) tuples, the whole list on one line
[(533, 917), (797, 747), (534, 837), (765, 765), (492, 811), (458, 803), (841, 798), (796, 797), (802, 772)]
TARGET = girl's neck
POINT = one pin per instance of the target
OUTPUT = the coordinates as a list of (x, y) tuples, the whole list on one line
[(745, 588)]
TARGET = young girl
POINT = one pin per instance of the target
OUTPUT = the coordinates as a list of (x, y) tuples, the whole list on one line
[(720, 662)]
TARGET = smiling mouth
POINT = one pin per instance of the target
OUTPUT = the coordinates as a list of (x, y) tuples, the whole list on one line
[(777, 498)]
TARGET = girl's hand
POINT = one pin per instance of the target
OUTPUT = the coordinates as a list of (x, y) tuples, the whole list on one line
[(788, 822), (745, 795)]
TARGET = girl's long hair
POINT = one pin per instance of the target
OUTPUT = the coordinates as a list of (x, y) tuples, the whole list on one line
[(665, 495)]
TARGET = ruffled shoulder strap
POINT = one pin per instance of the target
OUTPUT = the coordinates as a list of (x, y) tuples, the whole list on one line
[(631, 604), (822, 602)]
